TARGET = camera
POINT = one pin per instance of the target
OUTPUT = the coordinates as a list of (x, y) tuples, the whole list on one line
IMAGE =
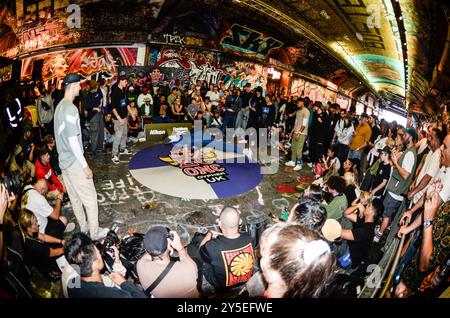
[(11, 182), (169, 235), (111, 239)]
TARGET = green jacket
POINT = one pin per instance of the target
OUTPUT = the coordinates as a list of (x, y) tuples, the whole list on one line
[(335, 209)]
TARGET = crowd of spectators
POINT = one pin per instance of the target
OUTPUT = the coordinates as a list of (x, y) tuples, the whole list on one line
[(366, 171)]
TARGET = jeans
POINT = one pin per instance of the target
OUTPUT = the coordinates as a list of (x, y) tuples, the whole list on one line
[(97, 131), (242, 118), (355, 154), (228, 120), (120, 136)]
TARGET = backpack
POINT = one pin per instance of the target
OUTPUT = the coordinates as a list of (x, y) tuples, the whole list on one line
[(255, 226)]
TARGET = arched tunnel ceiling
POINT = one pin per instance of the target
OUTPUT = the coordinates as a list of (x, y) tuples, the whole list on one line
[(352, 43), (359, 33)]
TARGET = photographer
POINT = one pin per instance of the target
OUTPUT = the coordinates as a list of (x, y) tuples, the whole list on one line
[(161, 276), (81, 251)]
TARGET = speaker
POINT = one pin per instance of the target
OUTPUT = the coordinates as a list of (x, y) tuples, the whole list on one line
[(37, 70)]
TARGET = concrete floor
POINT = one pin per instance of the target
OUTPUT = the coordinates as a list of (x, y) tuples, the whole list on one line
[(125, 202)]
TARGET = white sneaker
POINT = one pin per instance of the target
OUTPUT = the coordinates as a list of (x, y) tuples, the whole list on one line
[(290, 164), (84, 230), (115, 159), (125, 152), (70, 227), (298, 167), (101, 233), (142, 139)]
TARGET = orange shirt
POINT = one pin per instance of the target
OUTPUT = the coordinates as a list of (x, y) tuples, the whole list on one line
[(362, 134)]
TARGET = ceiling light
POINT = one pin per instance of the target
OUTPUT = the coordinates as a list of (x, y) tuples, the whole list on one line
[(400, 18)]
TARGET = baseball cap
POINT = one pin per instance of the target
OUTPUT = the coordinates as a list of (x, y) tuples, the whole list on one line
[(144, 90), (412, 132), (71, 78), (331, 230), (26, 127), (155, 240)]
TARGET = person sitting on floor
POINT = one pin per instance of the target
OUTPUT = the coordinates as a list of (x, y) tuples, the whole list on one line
[(49, 218), (44, 171), (295, 262), (225, 259), (360, 237), (336, 187), (41, 250)]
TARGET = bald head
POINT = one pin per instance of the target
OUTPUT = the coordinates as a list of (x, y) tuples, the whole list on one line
[(41, 186), (229, 219)]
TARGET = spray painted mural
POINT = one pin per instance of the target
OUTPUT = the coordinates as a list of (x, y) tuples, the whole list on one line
[(315, 92), (249, 42), (90, 63), (188, 66)]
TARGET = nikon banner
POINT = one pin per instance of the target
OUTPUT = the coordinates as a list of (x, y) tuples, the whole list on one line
[(157, 132)]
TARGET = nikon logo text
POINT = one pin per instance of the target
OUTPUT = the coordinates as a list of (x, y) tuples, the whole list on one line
[(157, 132)]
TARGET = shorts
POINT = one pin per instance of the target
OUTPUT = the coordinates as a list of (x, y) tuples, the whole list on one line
[(390, 205)]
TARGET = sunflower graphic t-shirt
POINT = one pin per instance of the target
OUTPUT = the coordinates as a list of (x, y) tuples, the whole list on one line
[(228, 261)]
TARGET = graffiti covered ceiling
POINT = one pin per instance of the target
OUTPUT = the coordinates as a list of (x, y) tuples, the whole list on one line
[(352, 43)]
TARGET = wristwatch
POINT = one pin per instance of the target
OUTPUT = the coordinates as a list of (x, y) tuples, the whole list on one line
[(427, 223)]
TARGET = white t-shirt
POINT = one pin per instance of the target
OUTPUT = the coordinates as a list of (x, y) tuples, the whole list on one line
[(213, 97), (407, 164), (431, 168), (423, 143), (344, 135), (38, 204)]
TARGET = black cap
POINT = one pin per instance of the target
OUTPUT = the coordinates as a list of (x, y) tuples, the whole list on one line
[(155, 241), (71, 78), (412, 132)]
